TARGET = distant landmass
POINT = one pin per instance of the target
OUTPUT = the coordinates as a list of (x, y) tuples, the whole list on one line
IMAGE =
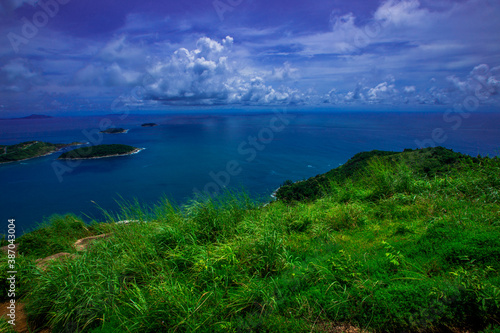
[(33, 116), (30, 149), (36, 116), (149, 125), (99, 151), (115, 131)]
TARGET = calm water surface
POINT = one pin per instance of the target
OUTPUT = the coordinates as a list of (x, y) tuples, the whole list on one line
[(189, 152)]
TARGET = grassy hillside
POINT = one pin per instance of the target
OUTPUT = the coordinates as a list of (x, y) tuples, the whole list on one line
[(426, 162), (26, 150), (389, 242)]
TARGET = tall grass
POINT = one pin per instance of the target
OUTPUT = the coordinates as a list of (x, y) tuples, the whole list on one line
[(391, 250)]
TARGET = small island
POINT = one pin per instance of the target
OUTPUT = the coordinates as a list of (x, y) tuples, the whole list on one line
[(115, 131), (149, 125), (30, 149), (99, 151)]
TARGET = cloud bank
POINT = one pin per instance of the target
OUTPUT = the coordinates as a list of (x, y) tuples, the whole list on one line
[(396, 52)]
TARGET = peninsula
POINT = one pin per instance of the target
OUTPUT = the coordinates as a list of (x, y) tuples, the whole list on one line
[(30, 149), (115, 131), (99, 151)]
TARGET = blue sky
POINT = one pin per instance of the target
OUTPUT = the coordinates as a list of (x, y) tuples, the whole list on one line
[(64, 56)]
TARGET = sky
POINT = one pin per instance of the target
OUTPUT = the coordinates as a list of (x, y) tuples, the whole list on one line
[(96, 56)]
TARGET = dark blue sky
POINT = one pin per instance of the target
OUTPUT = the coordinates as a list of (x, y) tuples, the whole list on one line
[(63, 56)]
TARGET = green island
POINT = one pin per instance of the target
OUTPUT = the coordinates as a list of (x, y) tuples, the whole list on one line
[(149, 125), (30, 149), (114, 131), (99, 151), (388, 242)]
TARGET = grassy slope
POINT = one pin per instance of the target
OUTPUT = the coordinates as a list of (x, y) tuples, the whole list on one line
[(424, 162), (26, 150), (395, 247)]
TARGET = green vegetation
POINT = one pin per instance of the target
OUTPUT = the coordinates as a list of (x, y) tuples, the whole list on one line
[(426, 162), (5, 327), (405, 242), (27, 150), (114, 131), (149, 125), (99, 151)]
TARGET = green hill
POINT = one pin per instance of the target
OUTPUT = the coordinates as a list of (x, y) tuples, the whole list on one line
[(388, 242), (99, 151)]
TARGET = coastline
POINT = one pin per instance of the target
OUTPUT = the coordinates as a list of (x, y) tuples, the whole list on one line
[(135, 151), (273, 195)]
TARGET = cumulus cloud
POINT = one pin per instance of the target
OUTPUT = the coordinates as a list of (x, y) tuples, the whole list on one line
[(207, 76), (383, 92), (482, 82)]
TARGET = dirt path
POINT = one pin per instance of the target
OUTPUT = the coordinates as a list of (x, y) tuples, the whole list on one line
[(84, 243), (21, 321)]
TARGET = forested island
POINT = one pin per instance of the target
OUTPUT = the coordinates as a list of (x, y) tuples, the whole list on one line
[(99, 151), (114, 131), (388, 242), (30, 149), (149, 125)]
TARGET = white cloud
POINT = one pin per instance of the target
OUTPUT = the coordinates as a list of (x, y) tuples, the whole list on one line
[(410, 89), (207, 75), (481, 82), (402, 13), (285, 72), (383, 92)]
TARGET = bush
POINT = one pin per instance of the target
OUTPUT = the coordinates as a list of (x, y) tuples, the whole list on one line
[(56, 235)]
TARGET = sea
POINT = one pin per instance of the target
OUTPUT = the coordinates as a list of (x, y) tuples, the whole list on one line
[(193, 152)]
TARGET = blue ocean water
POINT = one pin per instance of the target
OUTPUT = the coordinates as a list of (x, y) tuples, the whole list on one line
[(190, 152)]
